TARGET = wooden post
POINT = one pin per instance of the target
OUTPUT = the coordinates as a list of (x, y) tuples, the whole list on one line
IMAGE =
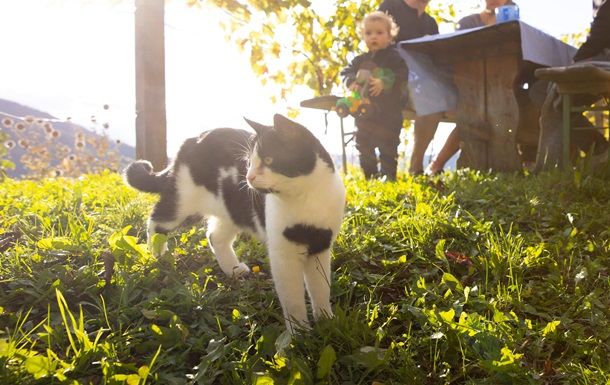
[(151, 139)]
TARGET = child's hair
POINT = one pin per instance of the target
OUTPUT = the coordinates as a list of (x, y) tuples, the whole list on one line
[(383, 17)]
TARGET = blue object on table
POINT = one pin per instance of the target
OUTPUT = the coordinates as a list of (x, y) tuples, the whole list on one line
[(507, 13)]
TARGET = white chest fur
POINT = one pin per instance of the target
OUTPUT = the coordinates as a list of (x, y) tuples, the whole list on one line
[(319, 205), (316, 201)]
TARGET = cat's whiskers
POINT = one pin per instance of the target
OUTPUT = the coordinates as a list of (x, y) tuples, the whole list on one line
[(243, 184), (244, 154), (241, 181), (246, 150)]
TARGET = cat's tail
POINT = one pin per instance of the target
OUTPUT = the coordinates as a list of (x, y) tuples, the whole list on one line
[(140, 176)]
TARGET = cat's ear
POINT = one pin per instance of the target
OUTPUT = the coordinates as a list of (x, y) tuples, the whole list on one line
[(259, 128), (288, 127)]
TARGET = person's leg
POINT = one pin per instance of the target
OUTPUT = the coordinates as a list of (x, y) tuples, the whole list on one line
[(365, 143), (388, 151), (424, 128), (550, 142), (451, 146), (528, 154)]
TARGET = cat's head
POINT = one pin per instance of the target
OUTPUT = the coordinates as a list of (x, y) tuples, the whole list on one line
[(282, 153)]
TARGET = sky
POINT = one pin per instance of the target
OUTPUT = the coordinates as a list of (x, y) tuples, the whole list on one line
[(72, 57)]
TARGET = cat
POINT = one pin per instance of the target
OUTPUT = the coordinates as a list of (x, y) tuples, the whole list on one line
[(279, 185)]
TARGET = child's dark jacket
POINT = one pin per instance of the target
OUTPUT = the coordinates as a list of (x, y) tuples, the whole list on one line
[(388, 103)]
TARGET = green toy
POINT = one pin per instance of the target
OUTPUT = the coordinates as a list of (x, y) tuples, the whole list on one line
[(357, 103)]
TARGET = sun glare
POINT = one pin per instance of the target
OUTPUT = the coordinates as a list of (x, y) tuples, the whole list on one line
[(71, 58)]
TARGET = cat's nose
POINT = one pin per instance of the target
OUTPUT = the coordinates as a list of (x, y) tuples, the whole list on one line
[(251, 177)]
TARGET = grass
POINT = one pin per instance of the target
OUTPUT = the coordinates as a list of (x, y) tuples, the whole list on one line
[(464, 279)]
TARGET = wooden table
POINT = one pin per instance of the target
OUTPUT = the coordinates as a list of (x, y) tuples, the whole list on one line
[(491, 69)]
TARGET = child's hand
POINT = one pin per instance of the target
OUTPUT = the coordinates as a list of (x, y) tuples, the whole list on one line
[(375, 86), (354, 86)]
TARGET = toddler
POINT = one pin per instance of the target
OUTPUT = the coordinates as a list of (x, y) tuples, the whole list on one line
[(379, 129)]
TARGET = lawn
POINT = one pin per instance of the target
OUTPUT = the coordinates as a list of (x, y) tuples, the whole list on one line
[(467, 278)]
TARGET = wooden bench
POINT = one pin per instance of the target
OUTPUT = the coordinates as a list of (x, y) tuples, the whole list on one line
[(581, 78)]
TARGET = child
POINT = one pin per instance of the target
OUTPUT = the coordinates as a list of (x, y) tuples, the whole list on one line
[(381, 128)]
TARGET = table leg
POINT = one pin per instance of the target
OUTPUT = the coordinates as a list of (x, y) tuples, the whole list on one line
[(565, 142), (343, 144), (471, 114), (488, 111)]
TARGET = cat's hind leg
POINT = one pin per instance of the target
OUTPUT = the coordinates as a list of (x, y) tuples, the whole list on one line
[(317, 279), (167, 215), (164, 219), (221, 234)]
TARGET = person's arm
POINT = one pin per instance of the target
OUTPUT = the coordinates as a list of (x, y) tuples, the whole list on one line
[(599, 36), (394, 72)]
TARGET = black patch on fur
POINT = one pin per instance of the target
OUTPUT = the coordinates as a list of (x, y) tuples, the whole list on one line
[(161, 230), (140, 175), (192, 220), (290, 158), (211, 151), (325, 156), (238, 202), (316, 239), (165, 209), (293, 148)]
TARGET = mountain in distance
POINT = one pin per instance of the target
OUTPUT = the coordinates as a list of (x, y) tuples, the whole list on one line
[(68, 132), (28, 125)]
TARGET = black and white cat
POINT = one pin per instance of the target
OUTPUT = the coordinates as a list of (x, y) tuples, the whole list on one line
[(295, 204)]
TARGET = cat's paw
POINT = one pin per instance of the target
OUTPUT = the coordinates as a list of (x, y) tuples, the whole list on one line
[(239, 271)]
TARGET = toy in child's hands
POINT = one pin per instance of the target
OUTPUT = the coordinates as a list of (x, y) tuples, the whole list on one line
[(358, 103), (354, 104)]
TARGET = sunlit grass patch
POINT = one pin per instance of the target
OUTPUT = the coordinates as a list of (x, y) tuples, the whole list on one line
[(467, 278)]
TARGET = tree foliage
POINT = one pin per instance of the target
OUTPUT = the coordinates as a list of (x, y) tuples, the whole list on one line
[(302, 42)]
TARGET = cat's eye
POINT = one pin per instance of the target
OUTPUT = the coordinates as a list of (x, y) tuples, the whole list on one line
[(267, 161)]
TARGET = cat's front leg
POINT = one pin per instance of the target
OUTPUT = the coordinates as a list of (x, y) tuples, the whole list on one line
[(221, 235), (317, 279), (287, 272)]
